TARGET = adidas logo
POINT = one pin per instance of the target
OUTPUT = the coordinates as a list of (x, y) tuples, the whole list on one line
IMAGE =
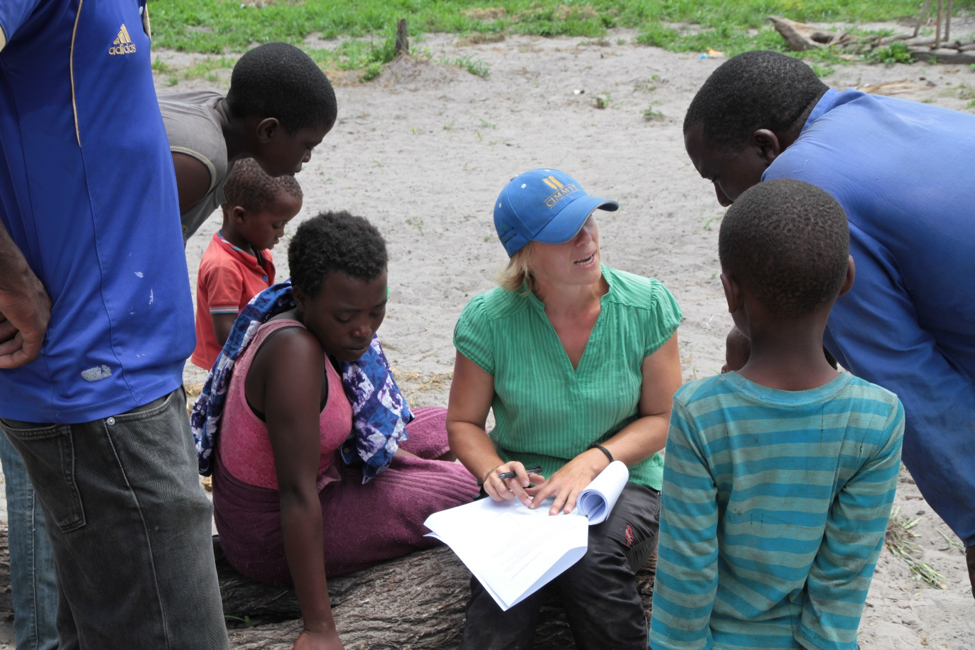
[(122, 43)]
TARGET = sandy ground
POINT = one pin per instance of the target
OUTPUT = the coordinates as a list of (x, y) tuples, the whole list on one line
[(423, 150)]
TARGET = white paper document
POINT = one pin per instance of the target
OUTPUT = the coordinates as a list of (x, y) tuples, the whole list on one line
[(599, 497), (514, 551)]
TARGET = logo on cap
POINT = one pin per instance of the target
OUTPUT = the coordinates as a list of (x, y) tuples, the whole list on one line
[(561, 191)]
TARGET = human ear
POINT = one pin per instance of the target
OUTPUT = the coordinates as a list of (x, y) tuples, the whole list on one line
[(768, 145), (300, 298), (237, 213), (732, 293), (266, 129), (850, 274)]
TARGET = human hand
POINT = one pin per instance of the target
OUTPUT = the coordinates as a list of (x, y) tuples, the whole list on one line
[(970, 557), (25, 311), (568, 482), (309, 640), (507, 489)]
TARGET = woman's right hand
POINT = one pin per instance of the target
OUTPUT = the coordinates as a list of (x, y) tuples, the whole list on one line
[(507, 489), (308, 640)]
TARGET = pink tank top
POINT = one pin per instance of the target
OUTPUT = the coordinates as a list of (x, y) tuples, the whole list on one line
[(243, 443)]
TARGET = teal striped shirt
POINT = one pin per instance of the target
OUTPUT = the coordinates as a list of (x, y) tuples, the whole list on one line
[(773, 513), (546, 411)]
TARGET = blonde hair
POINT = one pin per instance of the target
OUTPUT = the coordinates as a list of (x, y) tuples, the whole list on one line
[(518, 270)]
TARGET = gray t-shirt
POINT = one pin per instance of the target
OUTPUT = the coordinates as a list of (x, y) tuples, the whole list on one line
[(193, 128)]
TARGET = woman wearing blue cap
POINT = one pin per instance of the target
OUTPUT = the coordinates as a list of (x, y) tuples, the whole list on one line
[(580, 364)]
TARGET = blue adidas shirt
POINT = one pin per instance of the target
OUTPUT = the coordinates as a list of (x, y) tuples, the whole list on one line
[(88, 193), (903, 172)]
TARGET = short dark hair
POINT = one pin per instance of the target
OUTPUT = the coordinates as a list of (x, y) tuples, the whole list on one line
[(280, 81), (335, 241), (753, 90), (787, 243), (250, 187)]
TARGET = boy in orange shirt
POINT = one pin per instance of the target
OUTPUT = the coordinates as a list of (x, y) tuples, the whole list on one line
[(237, 265)]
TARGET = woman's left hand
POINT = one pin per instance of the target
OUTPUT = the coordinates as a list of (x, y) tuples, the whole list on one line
[(566, 484)]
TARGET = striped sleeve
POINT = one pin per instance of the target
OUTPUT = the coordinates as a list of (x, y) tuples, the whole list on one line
[(473, 336), (667, 317), (687, 564), (840, 575)]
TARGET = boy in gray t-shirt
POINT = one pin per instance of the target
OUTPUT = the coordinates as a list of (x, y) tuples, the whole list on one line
[(279, 107)]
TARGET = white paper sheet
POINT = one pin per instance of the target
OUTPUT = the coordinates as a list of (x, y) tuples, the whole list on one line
[(513, 550)]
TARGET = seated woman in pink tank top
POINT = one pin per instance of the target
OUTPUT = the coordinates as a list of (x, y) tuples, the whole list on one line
[(288, 510)]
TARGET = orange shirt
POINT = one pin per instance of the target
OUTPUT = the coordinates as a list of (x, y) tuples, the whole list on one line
[(228, 279)]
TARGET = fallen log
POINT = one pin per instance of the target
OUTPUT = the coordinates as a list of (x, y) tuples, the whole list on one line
[(799, 36), (412, 603), (943, 55), (919, 41)]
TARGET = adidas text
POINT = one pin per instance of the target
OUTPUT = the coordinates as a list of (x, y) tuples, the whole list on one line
[(122, 49)]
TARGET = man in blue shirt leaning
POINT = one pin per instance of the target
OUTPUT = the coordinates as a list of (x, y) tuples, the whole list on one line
[(903, 173), (96, 321)]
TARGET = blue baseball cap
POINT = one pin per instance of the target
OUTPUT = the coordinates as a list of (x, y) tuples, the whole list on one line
[(543, 205)]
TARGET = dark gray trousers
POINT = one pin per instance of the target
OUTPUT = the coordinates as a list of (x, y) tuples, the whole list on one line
[(130, 527)]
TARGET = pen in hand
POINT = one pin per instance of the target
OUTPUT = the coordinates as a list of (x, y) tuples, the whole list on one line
[(528, 470)]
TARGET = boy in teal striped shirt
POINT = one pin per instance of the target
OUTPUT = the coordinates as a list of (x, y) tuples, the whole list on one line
[(779, 477)]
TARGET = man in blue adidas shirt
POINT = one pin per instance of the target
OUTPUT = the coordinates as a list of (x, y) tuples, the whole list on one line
[(96, 325), (903, 173)]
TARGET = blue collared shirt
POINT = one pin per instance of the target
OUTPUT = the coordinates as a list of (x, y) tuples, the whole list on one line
[(905, 174)]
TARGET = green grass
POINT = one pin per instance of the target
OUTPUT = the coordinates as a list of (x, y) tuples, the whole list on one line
[(206, 68), (366, 54), (893, 53), (651, 114), (218, 26), (475, 66), (367, 27)]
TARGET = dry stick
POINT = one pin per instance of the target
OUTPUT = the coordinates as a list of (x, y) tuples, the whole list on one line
[(923, 18)]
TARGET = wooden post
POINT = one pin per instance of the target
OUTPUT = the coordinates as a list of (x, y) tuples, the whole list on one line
[(937, 29), (402, 41), (951, 6)]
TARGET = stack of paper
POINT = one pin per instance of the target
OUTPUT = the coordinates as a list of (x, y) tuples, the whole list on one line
[(513, 550)]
